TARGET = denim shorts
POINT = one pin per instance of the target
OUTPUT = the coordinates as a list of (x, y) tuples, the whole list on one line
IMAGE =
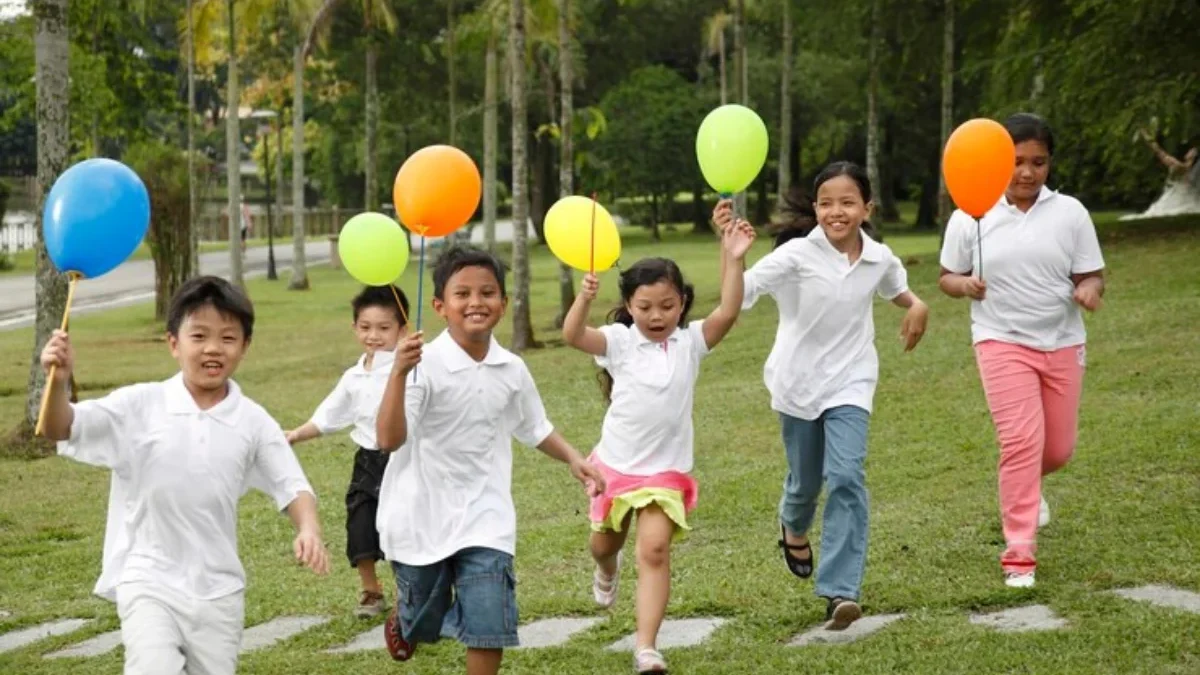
[(470, 597)]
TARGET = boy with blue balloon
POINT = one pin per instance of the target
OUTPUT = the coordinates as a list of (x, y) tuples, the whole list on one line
[(182, 452)]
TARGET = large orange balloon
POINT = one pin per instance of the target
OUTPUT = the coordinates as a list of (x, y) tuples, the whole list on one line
[(437, 190), (978, 165)]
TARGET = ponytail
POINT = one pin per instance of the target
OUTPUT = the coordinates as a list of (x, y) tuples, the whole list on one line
[(794, 219)]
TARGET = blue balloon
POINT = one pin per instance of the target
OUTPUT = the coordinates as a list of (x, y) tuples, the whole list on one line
[(95, 217)]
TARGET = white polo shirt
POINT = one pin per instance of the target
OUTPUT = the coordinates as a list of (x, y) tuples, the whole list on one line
[(648, 426), (449, 487), (824, 352), (1028, 260), (354, 402), (177, 475)]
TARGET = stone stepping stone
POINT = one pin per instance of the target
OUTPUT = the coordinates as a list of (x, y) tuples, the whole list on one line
[(553, 632), (1163, 596), (675, 633), (95, 646), (857, 630), (4, 613), (1021, 619), (278, 629), (365, 642), (26, 636)]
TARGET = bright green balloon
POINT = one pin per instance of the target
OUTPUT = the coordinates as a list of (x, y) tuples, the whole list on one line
[(373, 249), (732, 148)]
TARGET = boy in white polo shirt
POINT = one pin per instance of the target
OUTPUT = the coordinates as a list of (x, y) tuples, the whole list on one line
[(446, 516), (380, 314), (182, 452)]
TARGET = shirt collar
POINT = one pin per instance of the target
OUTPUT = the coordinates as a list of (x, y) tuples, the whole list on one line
[(641, 339), (1043, 194), (458, 360), (179, 401), (872, 251), (383, 360)]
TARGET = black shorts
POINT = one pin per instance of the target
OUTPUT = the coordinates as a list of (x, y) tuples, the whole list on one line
[(362, 501), (244, 233)]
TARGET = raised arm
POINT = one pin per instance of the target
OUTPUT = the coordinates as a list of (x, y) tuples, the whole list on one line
[(735, 243), (575, 330), (391, 426), (58, 355)]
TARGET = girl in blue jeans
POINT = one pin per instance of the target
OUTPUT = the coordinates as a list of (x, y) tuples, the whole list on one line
[(823, 368)]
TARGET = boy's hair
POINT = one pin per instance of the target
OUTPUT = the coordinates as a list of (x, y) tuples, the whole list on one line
[(1029, 127), (645, 272), (855, 173), (215, 291), (381, 296), (456, 258)]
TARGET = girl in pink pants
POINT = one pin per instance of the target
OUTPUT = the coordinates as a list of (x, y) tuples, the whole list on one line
[(1043, 265)]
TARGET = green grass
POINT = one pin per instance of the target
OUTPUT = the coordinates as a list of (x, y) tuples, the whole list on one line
[(1127, 510)]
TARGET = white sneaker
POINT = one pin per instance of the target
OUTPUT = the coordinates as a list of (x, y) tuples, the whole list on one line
[(1043, 513), (1019, 579), (604, 589)]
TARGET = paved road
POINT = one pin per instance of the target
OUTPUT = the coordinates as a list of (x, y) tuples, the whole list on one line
[(133, 281)]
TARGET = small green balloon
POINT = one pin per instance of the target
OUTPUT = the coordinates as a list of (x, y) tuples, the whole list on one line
[(373, 249), (732, 147)]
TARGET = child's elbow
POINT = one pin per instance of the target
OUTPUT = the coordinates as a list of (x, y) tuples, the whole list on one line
[(389, 439)]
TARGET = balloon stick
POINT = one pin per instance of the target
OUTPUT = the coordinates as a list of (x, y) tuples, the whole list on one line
[(41, 418)]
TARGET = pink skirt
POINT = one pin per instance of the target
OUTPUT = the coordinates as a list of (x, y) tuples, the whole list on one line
[(674, 491)]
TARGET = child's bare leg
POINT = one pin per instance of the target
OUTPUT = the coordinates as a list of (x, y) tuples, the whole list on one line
[(366, 573), (484, 661), (605, 546), (654, 531)]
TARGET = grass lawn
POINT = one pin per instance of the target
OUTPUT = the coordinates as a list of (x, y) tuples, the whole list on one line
[(1126, 511), (23, 261)]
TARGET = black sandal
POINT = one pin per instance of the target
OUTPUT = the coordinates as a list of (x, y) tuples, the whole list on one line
[(799, 567)]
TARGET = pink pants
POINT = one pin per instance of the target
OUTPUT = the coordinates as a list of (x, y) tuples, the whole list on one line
[(1034, 399)]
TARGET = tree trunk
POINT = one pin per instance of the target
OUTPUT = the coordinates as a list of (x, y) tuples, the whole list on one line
[(279, 177), (785, 105), (873, 101), (522, 334), (299, 280), (51, 53), (700, 214), (233, 144), (566, 160), (450, 67), (371, 188), (491, 139), (540, 187), (889, 211), (927, 206), (654, 232), (721, 61), (944, 207), (739, 74), (193, 202)]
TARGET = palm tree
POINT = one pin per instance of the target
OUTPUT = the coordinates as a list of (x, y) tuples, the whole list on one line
[(785, 104), (194, 244), (375, 13), (566, 166), (944, 208), (233, 147), (52, 50), (450, 70), (491, 135), (876, 21), (522, 337), (714, 33)]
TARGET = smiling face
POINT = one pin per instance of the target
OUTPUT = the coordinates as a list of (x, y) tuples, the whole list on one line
[(656, 309), (209, 347), (1029, 173), (377, 328), (841, 210), (472, 304)]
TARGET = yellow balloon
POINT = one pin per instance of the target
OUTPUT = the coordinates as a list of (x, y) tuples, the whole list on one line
[(569, 234)]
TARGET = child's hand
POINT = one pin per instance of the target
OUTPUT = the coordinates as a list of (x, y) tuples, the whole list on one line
[(738, 239), (585, 472), (292, 436), (1086, 295), (590, 287), (913, 325), (408, 353), (58, 352), (722, 216), (310, 551), (974, 288)]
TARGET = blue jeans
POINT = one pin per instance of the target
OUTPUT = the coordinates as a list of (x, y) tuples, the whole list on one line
[(470, 596), (829, 449)]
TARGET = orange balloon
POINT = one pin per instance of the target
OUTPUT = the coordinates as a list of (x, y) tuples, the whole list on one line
[(978, 165), (437, 190)]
